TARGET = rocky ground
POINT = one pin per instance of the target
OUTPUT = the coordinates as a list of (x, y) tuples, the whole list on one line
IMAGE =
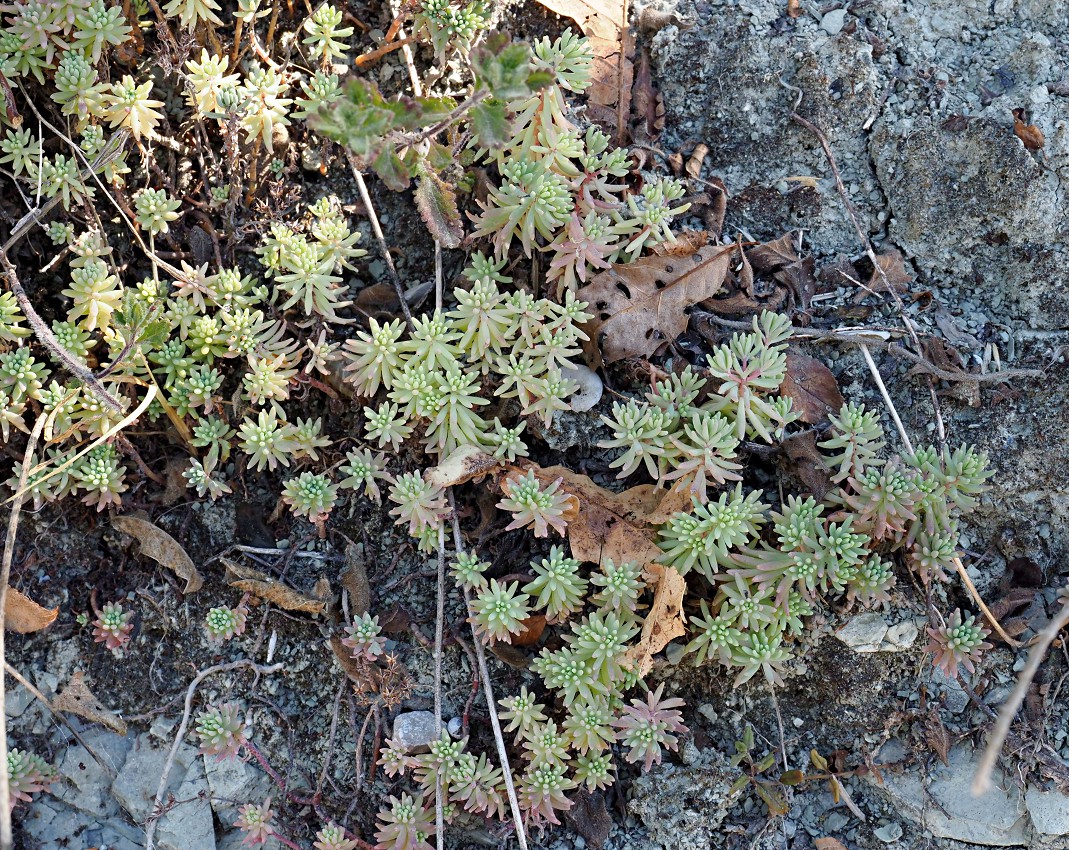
[(916, 101)]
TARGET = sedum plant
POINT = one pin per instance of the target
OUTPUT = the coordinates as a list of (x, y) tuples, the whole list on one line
[(238, 349), (27, 774)]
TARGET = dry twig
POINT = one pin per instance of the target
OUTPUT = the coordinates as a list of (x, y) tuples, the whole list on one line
[(5, 577), (495, 723), (982, 781)]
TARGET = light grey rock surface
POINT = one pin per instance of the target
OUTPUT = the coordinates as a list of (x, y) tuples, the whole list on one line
[(135, 786), (233, 783), (946, 807), (189, 825), (1049, 811)]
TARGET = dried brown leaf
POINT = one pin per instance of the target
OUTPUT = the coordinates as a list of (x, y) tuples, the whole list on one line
[(769, 256), (511, 655), (345, 660), (828, 843), (800, 279), (462, 465), (812, 388), (589, 817), (740, 303), (647, 105), (745, 271), (22, 615), (891, 265), (804, 462), (794, 9), (354, 580), (696, 160), (158, 545), (1028, 133), (937, 736), (78, 699), (665, 620), (266, 588), (533, 627), (607, 525), (685, 244), (640, 306), (436, 201)]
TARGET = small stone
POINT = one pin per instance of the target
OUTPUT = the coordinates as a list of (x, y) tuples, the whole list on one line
[(889, 833), (590, 388), (900, 637), (674, 652), (454, 726), (864, 633), (835, 822), (708, 712), (1049, 811), (414, 730), (833, 22)]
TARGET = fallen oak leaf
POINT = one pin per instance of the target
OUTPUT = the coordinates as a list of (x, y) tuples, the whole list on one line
[(266, 588), (664, 622), (607, 524), (22, 615), (158, 545), (78, 699), (640, 306), (811, 387)]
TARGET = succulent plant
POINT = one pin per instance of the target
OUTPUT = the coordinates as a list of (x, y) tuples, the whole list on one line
[(648, 727), (27, 774), (406, 825), (113, 626), (363, 638), (959, 642), (535, 507), (256, 822), (223, 623), (221, 731)]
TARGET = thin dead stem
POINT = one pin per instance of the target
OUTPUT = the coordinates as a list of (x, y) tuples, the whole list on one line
[(975, 594), (886, 397), (982, 781), (376, 228), (5, 577), (484, 672)]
